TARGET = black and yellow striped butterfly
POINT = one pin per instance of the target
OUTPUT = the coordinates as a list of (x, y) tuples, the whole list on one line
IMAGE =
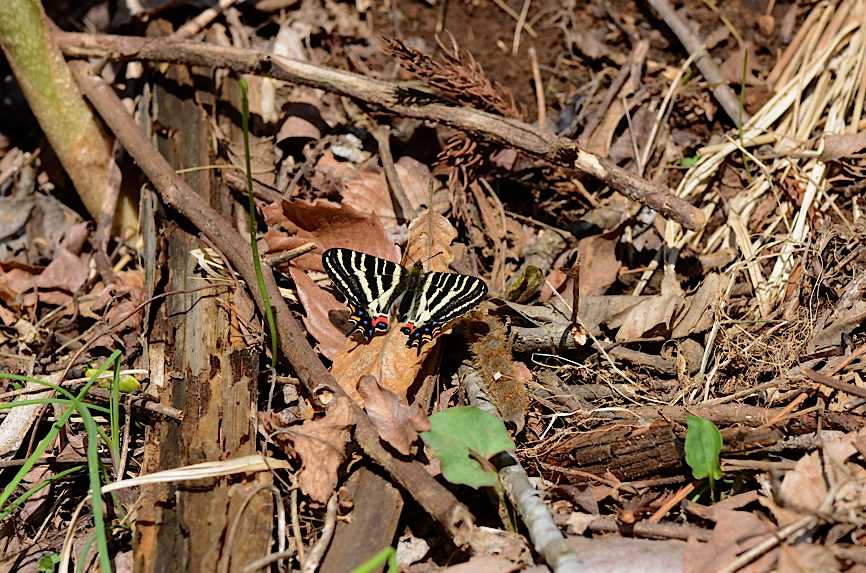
[(375, 288)]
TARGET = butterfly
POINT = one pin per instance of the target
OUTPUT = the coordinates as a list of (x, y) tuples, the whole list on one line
[(375, 288)]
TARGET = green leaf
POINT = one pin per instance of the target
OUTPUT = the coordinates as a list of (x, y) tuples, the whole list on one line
[(459, 436), (48, 562), (691, 161), (703, 446)]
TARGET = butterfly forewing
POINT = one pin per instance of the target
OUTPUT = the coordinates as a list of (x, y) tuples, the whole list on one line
[(370, 285), (439, 299)]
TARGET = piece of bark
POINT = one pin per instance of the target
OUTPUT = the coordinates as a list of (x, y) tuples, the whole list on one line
[(626, 451), (196, 369), (377, 510)]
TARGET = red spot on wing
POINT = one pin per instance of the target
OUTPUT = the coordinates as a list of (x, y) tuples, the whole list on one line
[(381, 319), (408, 328)]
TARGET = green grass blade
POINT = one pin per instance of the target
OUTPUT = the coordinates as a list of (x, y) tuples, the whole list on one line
[(114, 417), (96, 502), (254, 246), (35, 488), (49, 438)]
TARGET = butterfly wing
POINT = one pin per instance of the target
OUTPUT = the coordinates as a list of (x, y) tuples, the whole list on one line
[(438, 299), (369, 284)]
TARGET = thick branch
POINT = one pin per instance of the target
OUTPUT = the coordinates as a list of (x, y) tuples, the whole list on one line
[(395, 98)]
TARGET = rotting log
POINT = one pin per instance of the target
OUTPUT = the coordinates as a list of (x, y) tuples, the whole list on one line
[(207, 375)]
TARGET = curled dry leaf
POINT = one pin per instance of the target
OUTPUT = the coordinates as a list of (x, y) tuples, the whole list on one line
[(700, 307), (651, 317), (66, 272), (396, 423), (321, 445), (386, 357)]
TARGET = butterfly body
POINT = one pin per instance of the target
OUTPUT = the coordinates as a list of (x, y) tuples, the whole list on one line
[(376, 289)]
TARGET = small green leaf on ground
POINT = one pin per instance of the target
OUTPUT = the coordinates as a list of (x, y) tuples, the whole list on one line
[(703, 446), (690, 161), (459, 436)]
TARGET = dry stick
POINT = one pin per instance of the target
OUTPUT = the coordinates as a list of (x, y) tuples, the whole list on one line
[(403, 207), (694, 46), (286, 256), (833, 382), (519, 135), (543, 531), (430, 494), (638, 53)]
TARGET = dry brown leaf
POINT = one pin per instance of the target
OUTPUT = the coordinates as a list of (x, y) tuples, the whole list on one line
[(598, 265), (651, 317), (367, 190), (14, 213), (66, 272), (840, 145), (699, 308), (321, 446), (329, 225), (806, 558), (319, 306), (805, 488), (735, 532), (387, 357), (297, 128), (396, 423), (13, 284)]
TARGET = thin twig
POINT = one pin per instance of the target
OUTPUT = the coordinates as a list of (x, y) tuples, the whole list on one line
[(207, 16), (539, 89), (510, 11), (314, 557), (521, 23), (543, 531), (277, 259)]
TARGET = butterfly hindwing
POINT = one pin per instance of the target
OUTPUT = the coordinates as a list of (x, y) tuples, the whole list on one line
[(438, 299), (369, 284)]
